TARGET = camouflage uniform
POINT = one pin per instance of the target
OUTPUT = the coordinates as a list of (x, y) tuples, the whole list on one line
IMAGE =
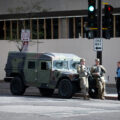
[(98, 72), (83, 76)]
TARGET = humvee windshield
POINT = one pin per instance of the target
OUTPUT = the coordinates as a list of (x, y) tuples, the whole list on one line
[(64, 64), (61, 64), (73, 64)]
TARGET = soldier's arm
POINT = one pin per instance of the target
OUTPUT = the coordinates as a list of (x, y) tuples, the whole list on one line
[(82, 68), (78, 68), (92, 70), (103, 69)]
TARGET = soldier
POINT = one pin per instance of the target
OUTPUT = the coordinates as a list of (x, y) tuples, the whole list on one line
[(83, 76), (118, 80), (98, 72)]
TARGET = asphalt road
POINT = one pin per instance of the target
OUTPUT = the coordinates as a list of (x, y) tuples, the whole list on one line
[(39, 108)]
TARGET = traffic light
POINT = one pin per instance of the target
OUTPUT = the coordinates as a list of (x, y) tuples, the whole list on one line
[(108, 20), (91, 13), (108, 15)]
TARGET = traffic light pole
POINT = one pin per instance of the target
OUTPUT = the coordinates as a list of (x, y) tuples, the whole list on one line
[(99, 23)]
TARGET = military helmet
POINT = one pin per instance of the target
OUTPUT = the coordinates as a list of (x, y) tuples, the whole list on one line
[(82, 60), (97, 59)]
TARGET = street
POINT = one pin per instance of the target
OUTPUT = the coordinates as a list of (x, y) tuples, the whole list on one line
[(40, 108)]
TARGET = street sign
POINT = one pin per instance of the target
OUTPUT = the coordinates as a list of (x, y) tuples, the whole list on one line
[(98, 44), (25, 35)]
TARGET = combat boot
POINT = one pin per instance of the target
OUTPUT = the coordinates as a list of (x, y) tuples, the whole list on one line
[(86, 97)]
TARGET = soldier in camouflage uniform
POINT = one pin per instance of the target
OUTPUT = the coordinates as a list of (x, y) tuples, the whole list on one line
[(83, 76), (98, 72)]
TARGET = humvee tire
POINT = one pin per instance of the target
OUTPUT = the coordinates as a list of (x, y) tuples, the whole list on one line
[(93, 93), (93, 90), (16, 86), (65, 89), (46, 92)]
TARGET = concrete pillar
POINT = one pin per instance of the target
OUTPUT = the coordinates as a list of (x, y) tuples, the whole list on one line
[(74, 28), (37, 28), (45, 34), (114, 26), (52, 31), (17, 29), (4, 28), (82, 22), (30, 28), (11, 30)]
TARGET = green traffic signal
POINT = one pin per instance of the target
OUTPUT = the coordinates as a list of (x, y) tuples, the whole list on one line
[(91, 8)]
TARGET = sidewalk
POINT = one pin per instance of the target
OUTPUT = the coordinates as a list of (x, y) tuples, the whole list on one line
[(111, 96)]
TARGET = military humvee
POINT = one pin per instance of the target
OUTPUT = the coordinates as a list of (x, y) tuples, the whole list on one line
[(46, 71)]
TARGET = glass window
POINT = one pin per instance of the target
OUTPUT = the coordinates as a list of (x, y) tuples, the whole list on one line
[(41, 29), (8, 30), (55, 28), (60, 64), (1, 30), (78, 27), (34, 29), (43, 65), (31, 65), (71, 32), (48, 28), (14, 30)]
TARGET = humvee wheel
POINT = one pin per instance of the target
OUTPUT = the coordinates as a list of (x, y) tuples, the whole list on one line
[(46, 92), (65, 89), (17, 87)]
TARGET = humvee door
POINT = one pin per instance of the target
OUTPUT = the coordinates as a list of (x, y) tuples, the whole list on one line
[(30, 71), (44, 70)]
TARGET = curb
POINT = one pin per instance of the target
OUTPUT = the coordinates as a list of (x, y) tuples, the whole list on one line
[(110, 98), (107, 97)]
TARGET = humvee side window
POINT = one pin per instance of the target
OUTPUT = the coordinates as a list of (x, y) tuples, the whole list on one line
[(31, 65), (44, 66)]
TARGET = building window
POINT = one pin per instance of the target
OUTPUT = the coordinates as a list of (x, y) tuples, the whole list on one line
[(8, 30), (41, 29), (78, 27), (71, 28), (21, 26), (48, 29), (55, 28), (14, 30), (2, 28), (34, 29)]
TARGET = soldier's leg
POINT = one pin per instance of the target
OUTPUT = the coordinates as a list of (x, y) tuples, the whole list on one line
[(99, 86), (83, 86), (87, 86), (118, 89), (103, 87)]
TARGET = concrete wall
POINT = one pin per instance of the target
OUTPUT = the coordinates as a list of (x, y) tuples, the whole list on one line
[(16, 6), (81, 47)]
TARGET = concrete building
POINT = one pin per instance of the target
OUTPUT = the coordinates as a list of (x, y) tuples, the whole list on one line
[(60, 27)]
